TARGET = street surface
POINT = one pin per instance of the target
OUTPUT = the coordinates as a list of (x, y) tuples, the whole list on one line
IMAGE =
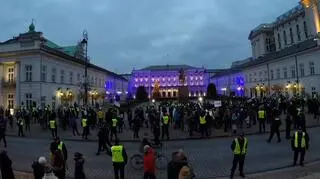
[(211, 158)]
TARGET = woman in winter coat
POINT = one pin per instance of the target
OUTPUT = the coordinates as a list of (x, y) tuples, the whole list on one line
[(78, 169), (6, 166)]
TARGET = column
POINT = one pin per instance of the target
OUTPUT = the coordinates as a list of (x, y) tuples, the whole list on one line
[(17, 73), (312, 16), (1, 86)]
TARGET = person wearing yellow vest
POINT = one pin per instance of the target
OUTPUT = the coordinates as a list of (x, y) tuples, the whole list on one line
[(53, 127), (239, 148), (299, 144), (203, 124), (119, 158), (165, 125), (100, 117), (85, 127), (262, 119), (114, 124)]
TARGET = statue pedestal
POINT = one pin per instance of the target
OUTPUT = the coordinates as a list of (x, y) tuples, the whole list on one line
[(183, 92)]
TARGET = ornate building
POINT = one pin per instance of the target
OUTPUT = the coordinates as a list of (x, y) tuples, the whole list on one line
[(285, 57), (165, 80), (34, 69)]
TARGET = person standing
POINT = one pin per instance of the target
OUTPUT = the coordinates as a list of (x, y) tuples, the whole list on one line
[(20, 126), (3, 128), (114, 127), (299, 144), (239, 148), (53, 127), (262, 120), (288, 126), (202, 124), (149, 163), (39, 167), (119, 159), (165, 126), (78, 169), (6, 166), (101, 140), (85, 127), (275, 125)]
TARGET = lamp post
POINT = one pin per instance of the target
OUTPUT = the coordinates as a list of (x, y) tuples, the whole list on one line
[(84, 43)]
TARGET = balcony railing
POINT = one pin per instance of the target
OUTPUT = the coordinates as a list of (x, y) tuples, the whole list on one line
[(9, 83)]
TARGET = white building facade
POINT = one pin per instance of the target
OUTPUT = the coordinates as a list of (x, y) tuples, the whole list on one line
[(285, 58), (36, 71)]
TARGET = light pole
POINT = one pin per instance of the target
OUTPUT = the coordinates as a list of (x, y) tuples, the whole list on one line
[(84, 43)]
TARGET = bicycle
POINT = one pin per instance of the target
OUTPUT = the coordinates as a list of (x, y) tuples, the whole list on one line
[(136, 161)]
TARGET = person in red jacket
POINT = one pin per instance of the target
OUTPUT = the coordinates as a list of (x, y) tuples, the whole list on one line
[(149, 163)]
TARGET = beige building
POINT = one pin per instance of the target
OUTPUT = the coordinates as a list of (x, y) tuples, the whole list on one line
[(285, 57), (35, 70)]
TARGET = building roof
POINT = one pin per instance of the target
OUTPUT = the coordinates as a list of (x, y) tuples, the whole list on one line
[(215, 70), (167, 67), (291, 50), (67, 52)]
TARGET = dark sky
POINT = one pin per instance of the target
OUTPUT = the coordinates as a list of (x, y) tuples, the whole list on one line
[(127, 34)]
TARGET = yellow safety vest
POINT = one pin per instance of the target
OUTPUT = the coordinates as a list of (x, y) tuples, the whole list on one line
[(303, 140), (60, 146), (261, 114), (52, 124), (117, 153), (203, 120), (84, 122), (100, 114), (165, 119), (237, 150), (114, 122)]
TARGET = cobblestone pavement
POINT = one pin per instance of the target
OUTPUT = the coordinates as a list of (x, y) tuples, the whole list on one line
[(127, 134), (210, 158), (309, 171)]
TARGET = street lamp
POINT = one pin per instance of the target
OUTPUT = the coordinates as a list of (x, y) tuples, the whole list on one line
[(84, 43)]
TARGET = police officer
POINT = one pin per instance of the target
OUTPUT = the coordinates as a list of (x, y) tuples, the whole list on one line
[(299, 144), (262, 119), (85, 127), (53, 127), (203, 124), (119, 159), (239, 148), (114, 125), (165, 126), (57, 144)]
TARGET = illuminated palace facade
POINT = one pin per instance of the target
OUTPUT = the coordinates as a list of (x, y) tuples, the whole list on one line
[(285, 57), (167, 77)]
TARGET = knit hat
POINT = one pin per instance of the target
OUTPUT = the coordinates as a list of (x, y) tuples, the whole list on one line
[(42, 160)]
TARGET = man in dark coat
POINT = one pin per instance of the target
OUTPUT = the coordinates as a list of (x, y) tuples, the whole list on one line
[(78, 169), (6, 166)]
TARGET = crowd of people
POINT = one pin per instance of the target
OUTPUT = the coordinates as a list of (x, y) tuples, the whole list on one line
[(233, 115)]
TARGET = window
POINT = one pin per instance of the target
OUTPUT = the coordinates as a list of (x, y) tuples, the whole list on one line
[(311, 66), (78, 77), (95, 81), (285, 37), (301, 69), (28, 100), (61, 76), (279, 40), (53, 75), (250, 77), (293, 71), (298, 32), (10, 74), (305, 28), (291, 36), (278, 73), (271, 74), (28, 69), (10, 101), (265, 75), (43, 73), (285, 73), (71, 77), (92, 80)]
